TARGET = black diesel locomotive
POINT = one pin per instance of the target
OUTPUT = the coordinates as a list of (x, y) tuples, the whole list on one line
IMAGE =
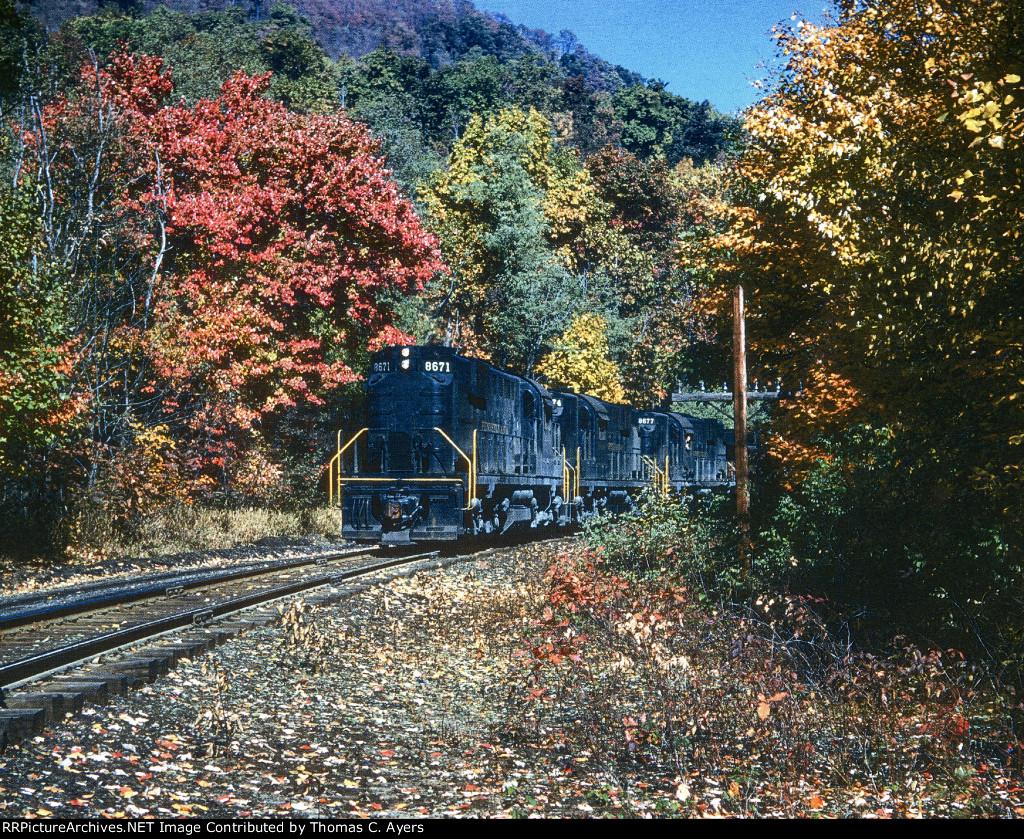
[(455, 447)]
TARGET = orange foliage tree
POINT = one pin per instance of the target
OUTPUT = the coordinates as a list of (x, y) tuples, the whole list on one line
[(875, 219)]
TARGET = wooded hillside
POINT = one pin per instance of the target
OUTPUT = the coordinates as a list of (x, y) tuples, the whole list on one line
[(216, 213)]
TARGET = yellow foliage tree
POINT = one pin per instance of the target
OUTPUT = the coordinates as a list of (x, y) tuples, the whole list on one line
[(875, 223), (581, 361), (533, 239)]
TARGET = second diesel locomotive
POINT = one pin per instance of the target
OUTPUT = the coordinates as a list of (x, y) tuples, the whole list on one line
[(453, 446)]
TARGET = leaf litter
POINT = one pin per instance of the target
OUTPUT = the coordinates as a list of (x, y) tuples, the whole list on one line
[(512, 686)]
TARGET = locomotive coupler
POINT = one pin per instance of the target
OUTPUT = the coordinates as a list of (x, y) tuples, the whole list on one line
[(401, 510)]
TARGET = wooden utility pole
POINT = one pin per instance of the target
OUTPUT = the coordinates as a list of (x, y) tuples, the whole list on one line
[(739, 405)]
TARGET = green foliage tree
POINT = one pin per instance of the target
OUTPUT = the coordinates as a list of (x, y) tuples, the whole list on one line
[(383, 75), (203, 50), (658, 124), (36, 405), (455, 94), (498, 211), (12, 44), (303, 75), (648, 116), (655, 294)]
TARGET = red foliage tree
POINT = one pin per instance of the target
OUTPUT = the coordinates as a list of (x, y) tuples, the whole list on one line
[(284, 231), (273, 239)]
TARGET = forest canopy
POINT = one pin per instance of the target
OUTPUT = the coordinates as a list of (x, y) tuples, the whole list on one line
[(214, 216)]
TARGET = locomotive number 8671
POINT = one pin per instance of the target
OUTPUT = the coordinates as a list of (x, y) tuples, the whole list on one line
[(453, 447)]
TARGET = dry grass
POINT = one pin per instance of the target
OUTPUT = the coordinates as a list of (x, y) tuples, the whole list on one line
[(186, 528), (204, 529)]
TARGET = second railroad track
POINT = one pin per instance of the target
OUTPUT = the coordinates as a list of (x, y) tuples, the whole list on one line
[(54, 657)]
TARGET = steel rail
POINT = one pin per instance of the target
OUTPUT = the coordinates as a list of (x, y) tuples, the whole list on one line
[(166, 587), (36, 665)]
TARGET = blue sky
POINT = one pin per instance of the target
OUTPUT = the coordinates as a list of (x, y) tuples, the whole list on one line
[(701, 49)]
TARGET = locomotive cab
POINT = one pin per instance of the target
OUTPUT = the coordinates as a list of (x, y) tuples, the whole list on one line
[(399, 479)]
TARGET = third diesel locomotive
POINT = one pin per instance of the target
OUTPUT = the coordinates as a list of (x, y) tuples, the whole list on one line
[(453, 446)]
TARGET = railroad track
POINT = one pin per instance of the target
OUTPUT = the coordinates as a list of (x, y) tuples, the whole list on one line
[(56, 657), (23, 610)]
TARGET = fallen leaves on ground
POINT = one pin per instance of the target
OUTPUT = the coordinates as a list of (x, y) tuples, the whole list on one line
[(473, 691)]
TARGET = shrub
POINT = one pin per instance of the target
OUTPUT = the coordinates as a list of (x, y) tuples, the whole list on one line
[(687, 538)]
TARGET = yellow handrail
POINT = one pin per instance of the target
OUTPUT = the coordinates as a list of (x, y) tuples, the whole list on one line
[(577, 493), (330, 472), (566, 469), (471, 463), (335, 465), (659, 479), (337, 459)]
